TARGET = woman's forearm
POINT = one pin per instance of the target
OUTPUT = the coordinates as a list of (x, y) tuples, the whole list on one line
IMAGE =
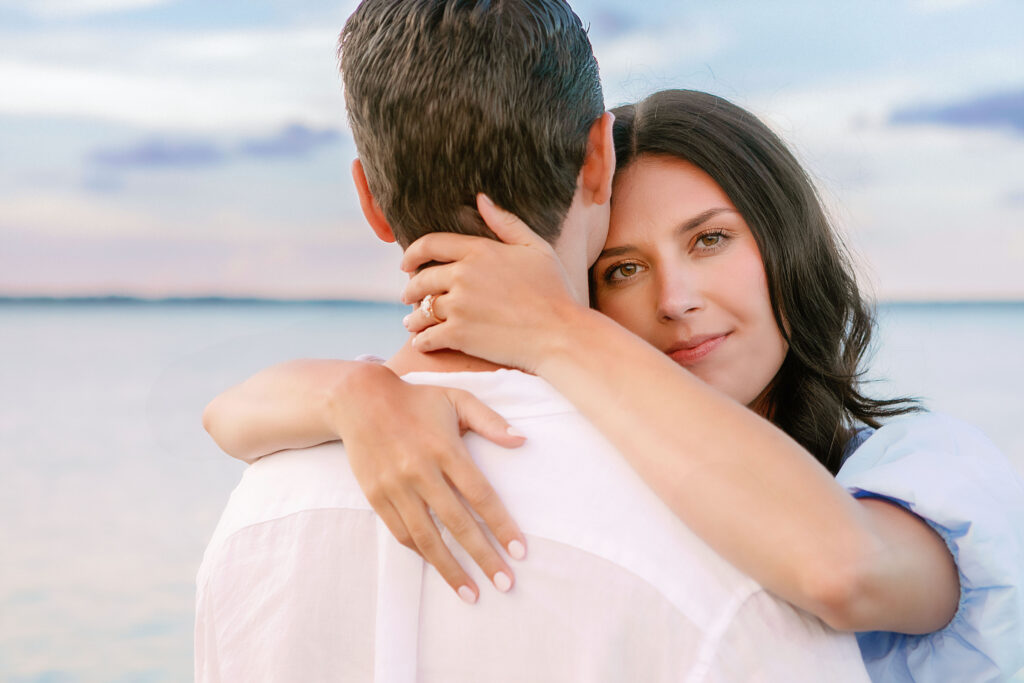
[(746, 488), (290, 405)]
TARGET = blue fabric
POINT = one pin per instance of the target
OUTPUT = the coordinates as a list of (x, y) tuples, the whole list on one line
[(952, 476)]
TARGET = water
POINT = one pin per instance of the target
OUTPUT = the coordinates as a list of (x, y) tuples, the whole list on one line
[(110, 488)]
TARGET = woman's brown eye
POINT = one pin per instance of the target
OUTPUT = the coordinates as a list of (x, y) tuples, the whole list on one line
[(623, 271), (710, 240)]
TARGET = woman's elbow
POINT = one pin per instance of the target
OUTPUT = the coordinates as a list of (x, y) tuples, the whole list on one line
[(218, 426), (835, 595), (843, 587), (213, 422), (868, 595)]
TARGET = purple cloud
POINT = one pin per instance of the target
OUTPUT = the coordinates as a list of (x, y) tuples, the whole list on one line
[(1014, 198), (293, 141), (160, 153), (996, 110), (611, 22)]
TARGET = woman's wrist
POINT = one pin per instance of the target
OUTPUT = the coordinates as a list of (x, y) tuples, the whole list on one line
[(576, 329), (357, 384)]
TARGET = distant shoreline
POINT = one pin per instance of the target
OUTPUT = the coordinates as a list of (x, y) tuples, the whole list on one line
[(269, 301), (190, 300)]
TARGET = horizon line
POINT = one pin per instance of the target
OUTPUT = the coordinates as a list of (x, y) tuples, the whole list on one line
[(334, 301)]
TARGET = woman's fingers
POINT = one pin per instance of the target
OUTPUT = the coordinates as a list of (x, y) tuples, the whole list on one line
[(476, 416), (436, 280), (481, 497), (446, 247), (420, 319), (507, 226), (421, 465), (443, 247), (431, 546), (393, 521), (417, 322), (433, 339), (467, 532)]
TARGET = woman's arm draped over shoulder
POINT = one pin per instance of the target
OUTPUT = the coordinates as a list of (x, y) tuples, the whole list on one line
[(744, 486), (404, 446), (289, 405)]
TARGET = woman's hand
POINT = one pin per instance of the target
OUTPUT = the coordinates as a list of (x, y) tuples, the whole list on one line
[(405, 448), (504, 301)]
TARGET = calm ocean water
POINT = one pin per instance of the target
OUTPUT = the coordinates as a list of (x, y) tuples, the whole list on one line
[(111, 488)]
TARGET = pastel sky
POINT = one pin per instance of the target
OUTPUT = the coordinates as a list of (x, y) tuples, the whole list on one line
[(188, 147)]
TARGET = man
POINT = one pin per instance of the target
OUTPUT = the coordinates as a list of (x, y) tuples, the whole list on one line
[(301, 581)]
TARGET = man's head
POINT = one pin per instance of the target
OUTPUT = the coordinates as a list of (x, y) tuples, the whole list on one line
[(448, 98)]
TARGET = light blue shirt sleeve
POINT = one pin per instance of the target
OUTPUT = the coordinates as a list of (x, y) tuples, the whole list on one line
[(953, 477)]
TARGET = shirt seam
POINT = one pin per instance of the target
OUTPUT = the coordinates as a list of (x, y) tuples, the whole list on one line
[(715, 635)]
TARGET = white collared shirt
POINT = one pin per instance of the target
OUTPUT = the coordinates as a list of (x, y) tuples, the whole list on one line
[(302, 582)]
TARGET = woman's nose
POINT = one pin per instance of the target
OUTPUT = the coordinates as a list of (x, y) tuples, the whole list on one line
[(678, 295)]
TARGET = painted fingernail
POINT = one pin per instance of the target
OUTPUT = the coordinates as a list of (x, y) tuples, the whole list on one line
[(516, 550), (405, 320), (502, 582), (486, 200), (467, 595), (512, 431)]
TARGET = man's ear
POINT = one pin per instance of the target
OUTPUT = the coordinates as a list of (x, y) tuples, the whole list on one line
[(369, 205), (599, 164)]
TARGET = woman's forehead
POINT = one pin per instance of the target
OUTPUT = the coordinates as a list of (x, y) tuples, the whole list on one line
[(657, 190)]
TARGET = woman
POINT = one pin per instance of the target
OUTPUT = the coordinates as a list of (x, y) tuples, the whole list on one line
[(720, 258)]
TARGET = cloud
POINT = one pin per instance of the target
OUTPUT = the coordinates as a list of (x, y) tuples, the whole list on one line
[(611, 22), (637, 61), (667, 46), (294, 140), (157, 153), (155, 101), (159, 79), (71, 9), (909, 198), (997, 110)]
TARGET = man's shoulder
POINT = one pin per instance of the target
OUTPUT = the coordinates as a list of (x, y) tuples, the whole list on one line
[(512, 393), (287, 483), (296, 479)]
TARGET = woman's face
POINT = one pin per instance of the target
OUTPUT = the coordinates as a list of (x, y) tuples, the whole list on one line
[(682, 270)]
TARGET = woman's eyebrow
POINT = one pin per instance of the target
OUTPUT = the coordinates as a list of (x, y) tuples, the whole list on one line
[(702, 217), (615, 251)]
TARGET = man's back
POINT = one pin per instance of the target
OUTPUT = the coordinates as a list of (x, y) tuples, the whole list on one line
[(302, 582)]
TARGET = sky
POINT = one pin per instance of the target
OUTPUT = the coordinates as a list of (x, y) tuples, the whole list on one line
[(191, 148)]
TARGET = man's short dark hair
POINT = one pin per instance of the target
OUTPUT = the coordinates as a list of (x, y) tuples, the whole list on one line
[(448, 98)]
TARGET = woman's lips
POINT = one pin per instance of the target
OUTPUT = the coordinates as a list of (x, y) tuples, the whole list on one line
[(694, 350)]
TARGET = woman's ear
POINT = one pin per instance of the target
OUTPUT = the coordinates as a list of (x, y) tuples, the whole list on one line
[(374, 216), (599, 163)]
